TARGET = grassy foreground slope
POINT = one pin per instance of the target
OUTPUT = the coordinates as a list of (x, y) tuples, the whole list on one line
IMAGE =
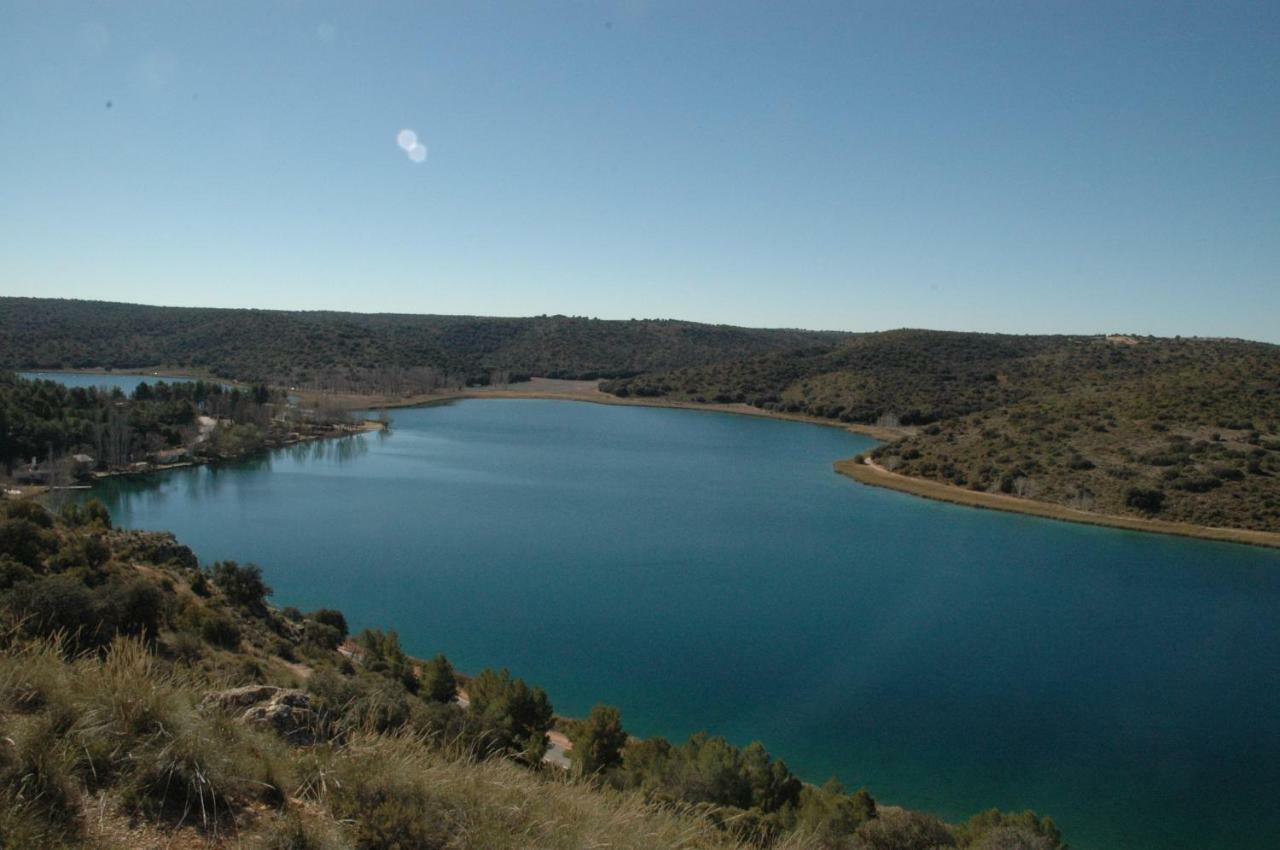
[(1186, 430), (354, 351), (147, 703)]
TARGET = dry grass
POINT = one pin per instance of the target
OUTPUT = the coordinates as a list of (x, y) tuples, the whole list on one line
[(117, 750)]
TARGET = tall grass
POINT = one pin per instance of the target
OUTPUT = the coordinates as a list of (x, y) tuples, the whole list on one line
[(130, 734)]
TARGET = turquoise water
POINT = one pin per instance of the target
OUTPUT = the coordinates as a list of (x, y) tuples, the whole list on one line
[(109, 380), (707, 571)]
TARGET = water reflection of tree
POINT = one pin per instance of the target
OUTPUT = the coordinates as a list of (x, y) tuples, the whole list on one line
[(337, 451), (129, 492)]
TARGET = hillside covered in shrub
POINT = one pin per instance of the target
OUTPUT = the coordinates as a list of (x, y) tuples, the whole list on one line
[(1180, 429), (353, 352), (148, 702)]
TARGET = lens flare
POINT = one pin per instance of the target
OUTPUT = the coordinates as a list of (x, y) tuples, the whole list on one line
[(406, 139), (418, 153)]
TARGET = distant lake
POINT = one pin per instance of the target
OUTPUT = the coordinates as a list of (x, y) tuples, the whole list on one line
[(709, 571), (110, 380)]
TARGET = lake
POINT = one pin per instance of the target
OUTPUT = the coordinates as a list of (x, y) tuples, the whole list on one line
[(710, 571), (127, 383)]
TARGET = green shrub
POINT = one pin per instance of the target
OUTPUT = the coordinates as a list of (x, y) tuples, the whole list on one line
[(25, 541), (515, 717), (242, 585), (332, 618), (384, 707), (598, 741), (292, 833), (897, 829), (29, 510), (13, 572), (439, 683), (385, 809), (55, 604), (220, 630), (320, 636), (1147, 501), (997, 830)]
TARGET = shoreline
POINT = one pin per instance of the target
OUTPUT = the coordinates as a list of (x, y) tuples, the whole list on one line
[(36, 491), (872, 475), (156, 372), (863, 473), (877, 476), (552, 390)]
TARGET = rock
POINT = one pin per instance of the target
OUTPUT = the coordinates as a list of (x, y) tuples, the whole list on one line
[(242, 696), (287, 711)]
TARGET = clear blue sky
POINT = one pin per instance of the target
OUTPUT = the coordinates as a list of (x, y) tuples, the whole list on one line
[(1037, 167)]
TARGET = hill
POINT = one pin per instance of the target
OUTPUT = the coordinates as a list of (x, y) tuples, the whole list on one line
[(1181, 430), (370, 352), (150, 703), (1186, 430)]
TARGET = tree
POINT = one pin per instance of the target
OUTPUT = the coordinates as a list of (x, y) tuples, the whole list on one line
[(772, 783), (330, 617), (383, 654), (597, 746), (829, 814), (242, 585), (515, 716), (439, 683)]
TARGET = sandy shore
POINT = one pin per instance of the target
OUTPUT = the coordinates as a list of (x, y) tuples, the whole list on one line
[(878, 476), (865, 473)]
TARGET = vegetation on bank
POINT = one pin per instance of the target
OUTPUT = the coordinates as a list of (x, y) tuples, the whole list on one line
[(149, 702), (1184, 430), (53, 434), (385, 354)]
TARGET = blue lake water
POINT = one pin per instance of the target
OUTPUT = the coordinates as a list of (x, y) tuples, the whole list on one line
[(708, 571), (110, 380)]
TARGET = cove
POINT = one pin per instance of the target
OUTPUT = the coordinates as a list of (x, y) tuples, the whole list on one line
[(125, 382), (709, 571)]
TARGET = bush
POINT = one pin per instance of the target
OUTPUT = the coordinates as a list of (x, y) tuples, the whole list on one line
[(386, 809), (1147, 501), (332, 695), (81, 550), (903, 830), (37, 774), (996, 830), (242, 585), (130, 607), (31, 511), (13, 572), (55, 604), (92, 513), (291, 833), (331, 618), (25, 541), (383, 708), (829, 814), (320, 636), (220, 630), (1197, 484)]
